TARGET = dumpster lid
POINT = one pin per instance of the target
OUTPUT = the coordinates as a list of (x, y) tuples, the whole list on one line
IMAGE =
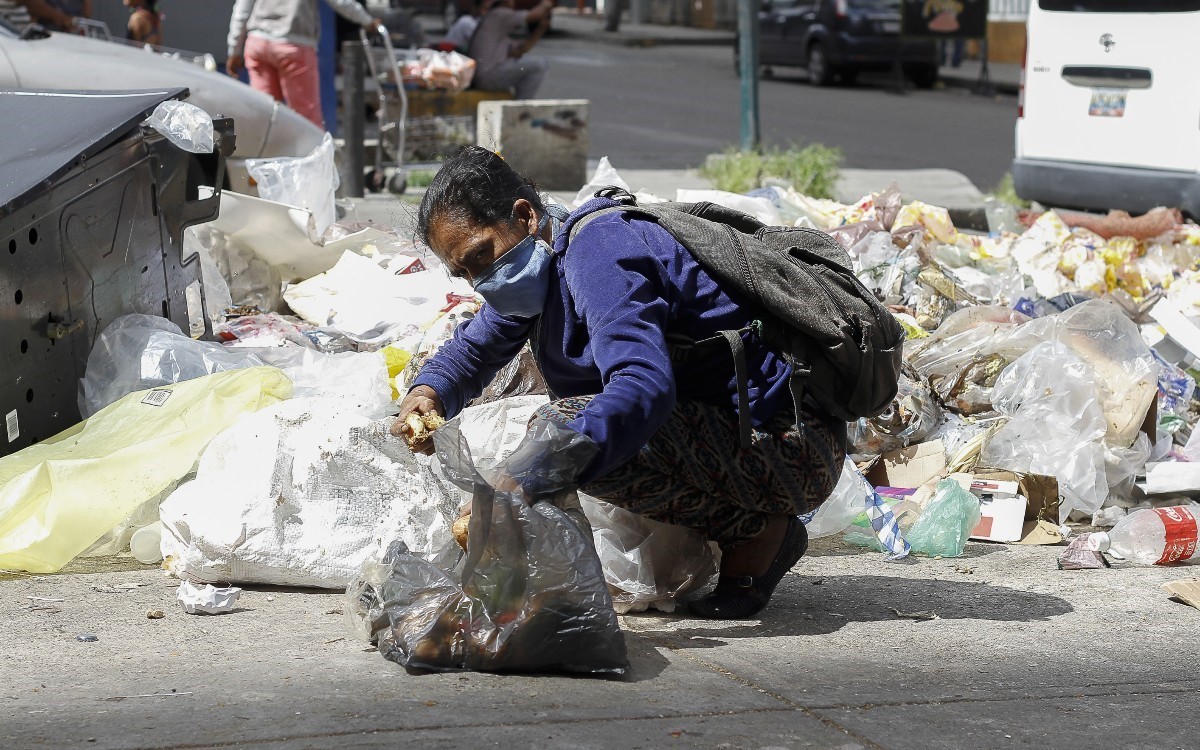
[(45, 132)]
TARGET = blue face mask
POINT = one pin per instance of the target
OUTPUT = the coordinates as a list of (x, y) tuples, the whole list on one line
[(518, 282)]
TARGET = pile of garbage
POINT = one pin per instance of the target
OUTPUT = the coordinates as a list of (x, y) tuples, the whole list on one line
[(1048, 381)]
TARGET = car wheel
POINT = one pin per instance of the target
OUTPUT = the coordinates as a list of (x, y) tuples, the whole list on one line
[(373, 180), (924, 76), (397, 183), (819, 71)]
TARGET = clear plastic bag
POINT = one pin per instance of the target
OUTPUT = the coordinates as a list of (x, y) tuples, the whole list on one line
[(520, 377), (909, 419), (186, 125), (532, 595), (946, 523), (249, 280), (307, 182), (1056, 426), (647, 564), (136, 352), (1125, 371)]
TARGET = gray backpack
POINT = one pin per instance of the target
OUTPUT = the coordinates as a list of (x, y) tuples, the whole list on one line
[(842, 343)]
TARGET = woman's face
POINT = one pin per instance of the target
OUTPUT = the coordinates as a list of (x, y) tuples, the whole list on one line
[(469, 249)]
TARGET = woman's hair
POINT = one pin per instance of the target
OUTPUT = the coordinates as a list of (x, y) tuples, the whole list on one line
[(474, 185)]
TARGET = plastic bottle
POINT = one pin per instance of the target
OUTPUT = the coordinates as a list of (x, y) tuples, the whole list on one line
[(1152, 536)]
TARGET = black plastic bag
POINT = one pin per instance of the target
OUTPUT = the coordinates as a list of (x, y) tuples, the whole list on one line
[(532, 595)]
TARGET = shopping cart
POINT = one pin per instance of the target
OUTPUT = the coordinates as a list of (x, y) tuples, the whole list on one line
[(384, 68)]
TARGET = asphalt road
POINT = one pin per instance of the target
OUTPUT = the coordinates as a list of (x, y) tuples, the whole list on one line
[(668, 107)]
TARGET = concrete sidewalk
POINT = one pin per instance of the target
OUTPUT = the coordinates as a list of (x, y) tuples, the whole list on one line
[(1018, 655)]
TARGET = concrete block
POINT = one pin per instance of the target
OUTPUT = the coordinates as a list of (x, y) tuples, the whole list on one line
[(544, 139)]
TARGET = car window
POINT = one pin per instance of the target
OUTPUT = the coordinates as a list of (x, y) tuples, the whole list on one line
[(875, 4), (1121, 6)]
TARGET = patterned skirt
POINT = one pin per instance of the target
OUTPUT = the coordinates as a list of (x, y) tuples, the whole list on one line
[(694, 472)]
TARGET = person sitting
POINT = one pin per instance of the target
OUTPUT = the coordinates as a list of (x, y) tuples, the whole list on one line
[(22, 13), (599, 314), (500, 62), (458, 36)]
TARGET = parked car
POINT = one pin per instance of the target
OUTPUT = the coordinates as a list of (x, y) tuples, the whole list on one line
[(68, 62), (1108, 110), (841, 38)]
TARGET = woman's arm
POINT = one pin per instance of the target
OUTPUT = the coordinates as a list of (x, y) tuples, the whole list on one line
[(465, 364), (619, 288), (41, 10)]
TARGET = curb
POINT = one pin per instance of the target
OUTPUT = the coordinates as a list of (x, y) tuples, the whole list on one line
[(616, 38), (955, 81)]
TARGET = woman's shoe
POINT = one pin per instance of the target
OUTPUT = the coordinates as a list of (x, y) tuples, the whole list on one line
[(740, 597)]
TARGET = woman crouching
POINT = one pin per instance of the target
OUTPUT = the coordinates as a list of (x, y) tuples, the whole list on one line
[(600, 314)]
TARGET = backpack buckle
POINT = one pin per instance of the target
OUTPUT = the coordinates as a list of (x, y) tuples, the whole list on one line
[(617, 194)]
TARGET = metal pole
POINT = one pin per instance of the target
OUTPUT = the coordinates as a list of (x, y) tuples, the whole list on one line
[(353, 110), (748, 71)]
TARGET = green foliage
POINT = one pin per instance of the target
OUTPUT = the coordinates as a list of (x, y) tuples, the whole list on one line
[(1007, 193), (420, 178), (812, 170)]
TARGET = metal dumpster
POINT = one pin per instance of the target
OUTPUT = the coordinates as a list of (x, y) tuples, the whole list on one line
[(92, 210)]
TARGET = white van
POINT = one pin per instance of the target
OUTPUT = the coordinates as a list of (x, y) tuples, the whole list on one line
[(1110, 108)]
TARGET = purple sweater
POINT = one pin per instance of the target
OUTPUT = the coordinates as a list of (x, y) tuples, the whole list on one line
[(616, 293)]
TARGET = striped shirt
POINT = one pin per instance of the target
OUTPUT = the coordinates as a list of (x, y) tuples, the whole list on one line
[(15, 14)]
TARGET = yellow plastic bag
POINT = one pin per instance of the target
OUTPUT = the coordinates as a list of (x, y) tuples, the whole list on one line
[(60, 496)]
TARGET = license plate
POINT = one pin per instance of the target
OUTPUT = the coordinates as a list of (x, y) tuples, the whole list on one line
[(889, 27), (1107, 103)]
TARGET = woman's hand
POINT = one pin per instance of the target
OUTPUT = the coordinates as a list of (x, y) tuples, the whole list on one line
[(420, 401)]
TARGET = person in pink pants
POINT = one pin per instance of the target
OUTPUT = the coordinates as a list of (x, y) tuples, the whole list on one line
[(276, 42)]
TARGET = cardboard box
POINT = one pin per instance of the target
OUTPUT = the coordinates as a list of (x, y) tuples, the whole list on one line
[(1040, 491), (909, 467), (1015, 506), (1002, 518)]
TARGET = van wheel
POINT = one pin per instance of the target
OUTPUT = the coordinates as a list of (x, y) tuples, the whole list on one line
[(819, 71), (924, 76)]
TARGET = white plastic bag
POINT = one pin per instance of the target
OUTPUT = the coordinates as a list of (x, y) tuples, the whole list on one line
[(367, 301), (760, 208), (136, 352), (305, 493), (186, 125), (307, 182), (302, 494), (604, 176), (847, 501)]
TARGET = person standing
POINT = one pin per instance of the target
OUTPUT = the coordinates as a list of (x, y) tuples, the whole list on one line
[(500, 62), (145, 22), (276, 42)]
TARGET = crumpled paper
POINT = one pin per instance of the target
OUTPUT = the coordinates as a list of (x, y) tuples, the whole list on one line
[(207, 600)]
